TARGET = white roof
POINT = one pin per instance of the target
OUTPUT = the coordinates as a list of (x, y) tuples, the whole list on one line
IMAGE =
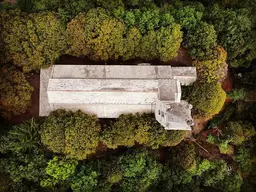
[(109, 90)]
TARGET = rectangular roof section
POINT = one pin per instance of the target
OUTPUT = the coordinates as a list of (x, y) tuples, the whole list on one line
[(111, 72)]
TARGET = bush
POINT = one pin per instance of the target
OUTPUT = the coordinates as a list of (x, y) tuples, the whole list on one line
[(207, 98), (33, 41), (75, 134), (15, 91), (213, 69)]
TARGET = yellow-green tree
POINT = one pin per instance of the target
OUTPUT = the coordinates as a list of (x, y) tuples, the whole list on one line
[(15, 90), (96, 35), (33, 41), (213, 69), (207, 98), (74, 134)]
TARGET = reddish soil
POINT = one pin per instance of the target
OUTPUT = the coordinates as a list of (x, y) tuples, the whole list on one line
[(199, 125), (33, 111), (227, 84)]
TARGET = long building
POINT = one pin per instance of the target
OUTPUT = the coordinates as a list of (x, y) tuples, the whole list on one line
[(111, 90)]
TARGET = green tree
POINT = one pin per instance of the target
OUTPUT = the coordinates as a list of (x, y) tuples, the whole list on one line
[(158, 136), (233, 28), (201, 41), (127, 130), (86, 178), (213, 69), (34, 41), (168, 42), (207, 98), (183, 155), (187, 16), (237, 94), (58, 170), (131, 42), (24, 166), (15, 91), (96, 34), (238, 131), (75, 134), (139, 171)]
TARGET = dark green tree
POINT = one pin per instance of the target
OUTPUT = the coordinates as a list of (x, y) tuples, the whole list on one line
[(15, 91)]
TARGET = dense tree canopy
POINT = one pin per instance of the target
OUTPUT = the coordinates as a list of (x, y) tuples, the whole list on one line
[(33, 41), (74, 134), (207, 98), (213, 69), (142, 129), (233, 28), (68, 151), (201, 41), (15, 91)]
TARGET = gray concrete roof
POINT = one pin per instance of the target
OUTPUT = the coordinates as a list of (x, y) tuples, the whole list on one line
[(109, 91)]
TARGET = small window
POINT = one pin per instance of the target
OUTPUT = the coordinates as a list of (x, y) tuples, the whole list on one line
[(159, 113), (162, 114)]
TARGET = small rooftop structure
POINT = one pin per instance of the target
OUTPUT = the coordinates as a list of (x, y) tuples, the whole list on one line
[(111, 90)]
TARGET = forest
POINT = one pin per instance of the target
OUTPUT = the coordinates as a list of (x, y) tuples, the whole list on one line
[(75, 151)]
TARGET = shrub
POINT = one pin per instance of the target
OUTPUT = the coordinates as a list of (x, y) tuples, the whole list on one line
[(15, 91), (33, 41), (207, 98), (75, 134), (213, 69)]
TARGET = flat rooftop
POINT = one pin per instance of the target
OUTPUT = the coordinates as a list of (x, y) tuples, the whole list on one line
[(110, 90)]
